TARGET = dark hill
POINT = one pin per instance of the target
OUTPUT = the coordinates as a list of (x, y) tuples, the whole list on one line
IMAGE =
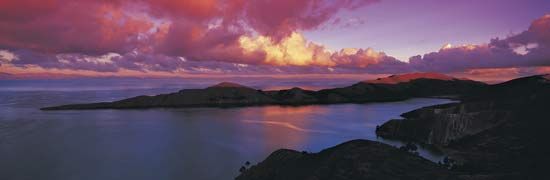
[(228, 94), (501, 129), (357, 159)]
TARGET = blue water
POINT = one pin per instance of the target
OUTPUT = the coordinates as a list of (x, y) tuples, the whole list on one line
[(194, 143)]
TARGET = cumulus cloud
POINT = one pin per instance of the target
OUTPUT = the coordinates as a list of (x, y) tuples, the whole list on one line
[(170, 26), (146, 62), (281, 18), (295, 50), (55, 26), (225, 36), (149, 35), (292, 50), (529, 48)]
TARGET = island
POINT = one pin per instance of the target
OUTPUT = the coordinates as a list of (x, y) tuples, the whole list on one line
[(227, 94)]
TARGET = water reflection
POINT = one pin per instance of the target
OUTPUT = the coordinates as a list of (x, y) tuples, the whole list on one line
[(289, 126), (198, 143)]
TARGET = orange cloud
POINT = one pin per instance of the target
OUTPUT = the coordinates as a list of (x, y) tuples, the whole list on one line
[(296, 50), (226, 36), (291, 50)]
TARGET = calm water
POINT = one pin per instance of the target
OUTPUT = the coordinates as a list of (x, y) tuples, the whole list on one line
[(197, 143)]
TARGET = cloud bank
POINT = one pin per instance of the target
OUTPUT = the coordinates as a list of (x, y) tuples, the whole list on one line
[(226, 36), (529, 48)]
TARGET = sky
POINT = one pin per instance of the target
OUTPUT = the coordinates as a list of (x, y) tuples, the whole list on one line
[(482, 40)]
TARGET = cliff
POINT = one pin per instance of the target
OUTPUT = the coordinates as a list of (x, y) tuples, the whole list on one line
[(441, 124), (499, 129)]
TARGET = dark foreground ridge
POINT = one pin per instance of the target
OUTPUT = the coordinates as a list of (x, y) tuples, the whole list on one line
[(499, 132), (357, 159), (393, 88)]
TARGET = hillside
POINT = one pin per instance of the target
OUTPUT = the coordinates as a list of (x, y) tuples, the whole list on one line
[(228, 94)]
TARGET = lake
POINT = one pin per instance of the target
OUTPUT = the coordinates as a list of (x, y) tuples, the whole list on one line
[(192, 143)]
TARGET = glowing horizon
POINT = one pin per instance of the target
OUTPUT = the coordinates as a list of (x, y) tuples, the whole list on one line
[(167, 38)]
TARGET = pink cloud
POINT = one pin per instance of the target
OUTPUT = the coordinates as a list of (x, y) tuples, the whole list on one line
[(88, 27), (92, 27), (498, 53), (279, 18), (226, 36)]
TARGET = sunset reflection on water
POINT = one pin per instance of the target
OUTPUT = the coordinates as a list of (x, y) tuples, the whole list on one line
[(287, 125), (188, 143)]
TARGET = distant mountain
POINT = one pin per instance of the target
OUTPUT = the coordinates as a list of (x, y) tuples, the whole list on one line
[(396, 79), (405, 86), (231, 94), (229, 85)]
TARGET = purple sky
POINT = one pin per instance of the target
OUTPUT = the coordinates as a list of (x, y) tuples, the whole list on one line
[(404, 28), (275, 37)]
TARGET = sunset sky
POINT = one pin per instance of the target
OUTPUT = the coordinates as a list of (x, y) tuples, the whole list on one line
[(470, 38)]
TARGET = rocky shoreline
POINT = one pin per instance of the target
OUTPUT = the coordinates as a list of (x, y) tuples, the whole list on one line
[(440, 125), (496, 133)]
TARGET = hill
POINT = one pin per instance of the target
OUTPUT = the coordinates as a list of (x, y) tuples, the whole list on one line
[(228, 94)]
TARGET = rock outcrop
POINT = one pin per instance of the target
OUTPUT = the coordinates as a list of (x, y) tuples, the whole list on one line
[(441, 124), (231, 94), (357, 159), (499, 129)]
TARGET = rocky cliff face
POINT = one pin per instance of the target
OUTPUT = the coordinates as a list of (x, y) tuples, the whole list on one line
[(500, 129), (442, 124)]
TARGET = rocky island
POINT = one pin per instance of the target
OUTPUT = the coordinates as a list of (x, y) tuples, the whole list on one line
[(226, 94)]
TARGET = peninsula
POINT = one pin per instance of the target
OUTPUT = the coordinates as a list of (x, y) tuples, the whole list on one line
[(227, 94)]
